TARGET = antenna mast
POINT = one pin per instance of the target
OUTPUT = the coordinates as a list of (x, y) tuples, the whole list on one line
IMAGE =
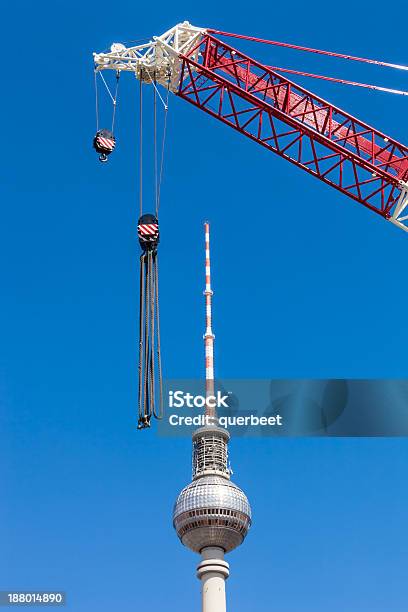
[(208, 336)]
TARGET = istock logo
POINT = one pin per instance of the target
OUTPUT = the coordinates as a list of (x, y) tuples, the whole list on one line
[(179, 399)]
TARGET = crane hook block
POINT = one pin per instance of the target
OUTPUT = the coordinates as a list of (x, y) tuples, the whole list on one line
[(144, 422), (148, 232), (104, 142)]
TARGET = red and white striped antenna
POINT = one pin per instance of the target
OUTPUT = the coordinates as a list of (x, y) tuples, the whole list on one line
[(208, 336)]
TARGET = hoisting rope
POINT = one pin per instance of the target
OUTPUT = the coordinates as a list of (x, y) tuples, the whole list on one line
[(155, 146), (115, 99), (141, 145), (149, 324), (104, 140), (107, 88), (154, 83), (96, 101), (150, 392), (342, 81), (166, 109), (309, 49), (158, 168)]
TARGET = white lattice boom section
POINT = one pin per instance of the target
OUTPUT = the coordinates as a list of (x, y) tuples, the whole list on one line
[(159, 60)]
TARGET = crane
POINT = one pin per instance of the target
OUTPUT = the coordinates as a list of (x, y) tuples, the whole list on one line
[(259, 102), (254, 99)]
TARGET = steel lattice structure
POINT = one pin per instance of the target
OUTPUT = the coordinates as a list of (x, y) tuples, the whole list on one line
[(327, 142)]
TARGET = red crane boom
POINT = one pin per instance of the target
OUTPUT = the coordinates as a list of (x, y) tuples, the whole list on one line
[(312, 133)]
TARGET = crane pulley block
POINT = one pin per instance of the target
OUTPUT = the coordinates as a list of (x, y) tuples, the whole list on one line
[(104, 142), (148, 232)]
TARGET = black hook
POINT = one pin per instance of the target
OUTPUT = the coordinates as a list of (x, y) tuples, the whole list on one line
[(144, 422)]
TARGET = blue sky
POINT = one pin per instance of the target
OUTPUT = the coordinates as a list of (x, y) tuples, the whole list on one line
[(86, 499)]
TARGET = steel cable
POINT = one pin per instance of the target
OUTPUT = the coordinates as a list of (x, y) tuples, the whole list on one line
[(155, 148), (96, 102), (158, 414), (115, 99), (310, 50), (141, 146), (141, 343), (146, 342), (162, 150), (152, 337)]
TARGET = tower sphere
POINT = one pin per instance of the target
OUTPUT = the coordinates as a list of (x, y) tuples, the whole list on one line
[(212, 511)]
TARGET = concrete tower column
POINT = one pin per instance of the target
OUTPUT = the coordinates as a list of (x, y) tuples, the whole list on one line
[(213, 570)]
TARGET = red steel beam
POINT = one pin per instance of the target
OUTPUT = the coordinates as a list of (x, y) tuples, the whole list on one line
[(310, 132)]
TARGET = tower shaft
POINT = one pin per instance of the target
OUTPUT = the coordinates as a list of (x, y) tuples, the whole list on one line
[(213, 571)]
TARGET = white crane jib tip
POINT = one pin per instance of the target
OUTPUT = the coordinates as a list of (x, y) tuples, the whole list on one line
[(159, 60)]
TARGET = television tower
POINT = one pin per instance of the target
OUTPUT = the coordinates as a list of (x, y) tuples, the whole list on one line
[(211, 515)]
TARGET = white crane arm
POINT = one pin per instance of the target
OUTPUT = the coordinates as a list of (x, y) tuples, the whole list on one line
[(158, 60)]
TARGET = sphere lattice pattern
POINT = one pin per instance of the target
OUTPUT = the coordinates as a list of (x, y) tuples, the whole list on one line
[(212, 511)]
